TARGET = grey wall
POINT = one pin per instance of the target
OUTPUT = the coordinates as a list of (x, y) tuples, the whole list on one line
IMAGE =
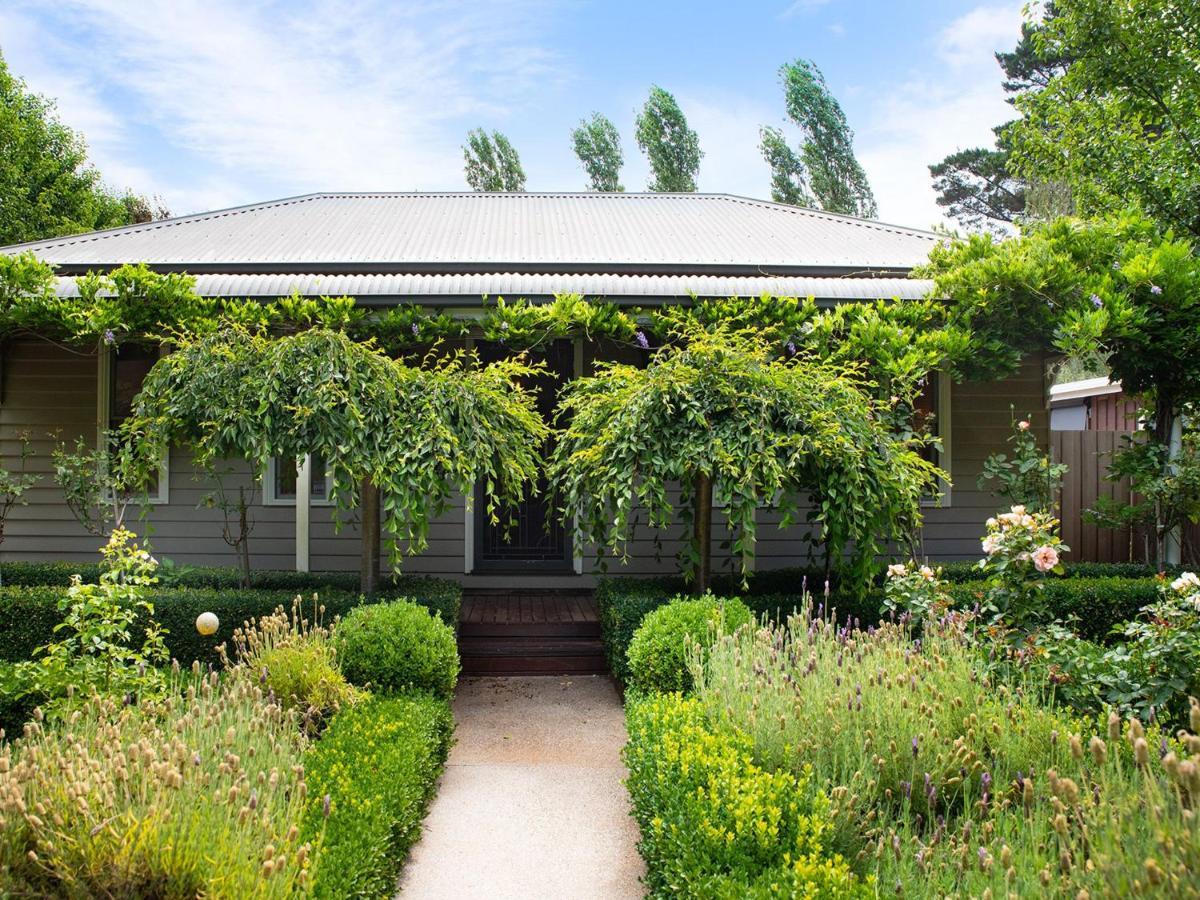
[(50, 389)]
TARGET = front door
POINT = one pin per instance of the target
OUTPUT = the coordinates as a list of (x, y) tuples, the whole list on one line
[(530, 538)]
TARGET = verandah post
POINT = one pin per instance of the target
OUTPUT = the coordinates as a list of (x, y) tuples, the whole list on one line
[(369, 510), (703, 532)]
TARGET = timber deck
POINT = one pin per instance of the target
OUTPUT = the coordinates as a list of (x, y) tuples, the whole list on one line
[(535, 632)]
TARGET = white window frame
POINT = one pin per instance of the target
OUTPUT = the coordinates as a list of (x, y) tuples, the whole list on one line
[(945, 435), (270, 498), (105, 361)]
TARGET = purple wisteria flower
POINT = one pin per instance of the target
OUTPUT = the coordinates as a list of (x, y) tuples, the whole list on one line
[(1096, 301), (109, 337), (416, 329), (642, 340), (791, 348), (1155, 289)]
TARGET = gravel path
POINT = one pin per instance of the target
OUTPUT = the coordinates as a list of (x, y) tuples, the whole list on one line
[(532, 803)]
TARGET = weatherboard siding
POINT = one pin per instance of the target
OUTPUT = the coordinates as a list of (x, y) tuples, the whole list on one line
[(50, 393)]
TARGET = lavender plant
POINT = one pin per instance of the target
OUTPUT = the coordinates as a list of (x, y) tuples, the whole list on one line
[(944, 783), (199, 793)]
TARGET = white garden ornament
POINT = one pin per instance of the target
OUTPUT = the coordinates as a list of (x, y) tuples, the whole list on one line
[(207, 623)]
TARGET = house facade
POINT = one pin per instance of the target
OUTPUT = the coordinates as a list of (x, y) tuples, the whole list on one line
[(449, 252)]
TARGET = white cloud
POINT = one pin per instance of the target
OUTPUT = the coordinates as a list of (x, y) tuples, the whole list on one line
[(919, 120), (361, 96), (974, 37), (799, 7)]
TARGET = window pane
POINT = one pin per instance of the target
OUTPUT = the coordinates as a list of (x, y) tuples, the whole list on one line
[(131, 364), (285, 479)]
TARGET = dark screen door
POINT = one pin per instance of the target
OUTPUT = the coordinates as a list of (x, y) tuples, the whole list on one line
[(529, 538)]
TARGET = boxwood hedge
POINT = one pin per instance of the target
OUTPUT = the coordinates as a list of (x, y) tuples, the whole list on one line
[(28, 614), (1096, 604)]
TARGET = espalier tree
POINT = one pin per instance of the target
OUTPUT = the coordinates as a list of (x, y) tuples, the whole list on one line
[(736, 426), (397, 439)]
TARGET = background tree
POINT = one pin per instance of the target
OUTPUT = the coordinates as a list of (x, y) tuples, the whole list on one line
[(597, 144), (789, 178), (1121, 124), (671, 146), (978, 186), (826, 171), (47, 186), (492, 163), (733, 423)]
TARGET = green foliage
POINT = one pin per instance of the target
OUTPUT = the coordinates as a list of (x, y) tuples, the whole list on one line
[(789, 178), (492, 163), (764, 430), (831, 171), (419, 435), (977, 188), (97, 646), (47, 186), (99, 483), (1022, 548), (28, 615), (1119, 289), (157, 799), (672, 148), (293, 659), (1027, 477), (943, 783), (1121, 123), (597, 144), (1149, 672), (659, 651), (522, 325), (370, 778), (915, 592), (717, 825), (396, 646)]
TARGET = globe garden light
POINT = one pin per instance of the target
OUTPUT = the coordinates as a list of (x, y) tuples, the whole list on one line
[(207, 623)]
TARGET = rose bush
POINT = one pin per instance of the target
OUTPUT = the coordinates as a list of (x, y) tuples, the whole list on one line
[(1021, 548)]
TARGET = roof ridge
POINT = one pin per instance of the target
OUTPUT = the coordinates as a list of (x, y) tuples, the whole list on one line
[(191, 218)]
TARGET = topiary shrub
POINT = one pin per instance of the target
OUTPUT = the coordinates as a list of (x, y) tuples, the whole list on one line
[(394, 646), (658, 653)]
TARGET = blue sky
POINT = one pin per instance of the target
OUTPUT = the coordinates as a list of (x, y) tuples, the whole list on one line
[(222, 102)]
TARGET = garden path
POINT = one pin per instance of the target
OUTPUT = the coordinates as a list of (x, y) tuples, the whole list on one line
[(532, 802)]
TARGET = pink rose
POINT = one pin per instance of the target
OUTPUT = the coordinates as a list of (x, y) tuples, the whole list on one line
[(1023, 425), (1045, 558)]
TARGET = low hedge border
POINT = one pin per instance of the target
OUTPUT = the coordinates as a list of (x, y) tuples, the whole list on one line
[(378, 763), (28, 615), (1096, 605), (715, 824)]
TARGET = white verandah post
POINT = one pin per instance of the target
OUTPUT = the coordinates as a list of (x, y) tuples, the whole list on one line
[(303, 509)]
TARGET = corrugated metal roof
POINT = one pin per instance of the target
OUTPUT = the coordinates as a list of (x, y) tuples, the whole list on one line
[(672, 234), (431, 289)]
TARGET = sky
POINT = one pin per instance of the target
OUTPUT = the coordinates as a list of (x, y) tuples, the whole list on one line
[(217, 103)]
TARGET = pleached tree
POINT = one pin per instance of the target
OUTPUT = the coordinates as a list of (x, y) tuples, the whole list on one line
[(399, 442)]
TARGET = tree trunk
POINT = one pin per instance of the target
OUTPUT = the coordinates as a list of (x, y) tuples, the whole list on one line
[(703, 533), (244, 537), (369, 509)]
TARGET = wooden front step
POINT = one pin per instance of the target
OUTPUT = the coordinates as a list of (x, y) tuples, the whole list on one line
[(530, 633)]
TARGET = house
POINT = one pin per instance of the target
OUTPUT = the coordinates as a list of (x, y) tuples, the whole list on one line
[(1091, 404), (448, 251)]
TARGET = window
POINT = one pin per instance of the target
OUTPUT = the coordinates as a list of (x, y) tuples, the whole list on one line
[(931, 412), (280, 488), (121, 373)]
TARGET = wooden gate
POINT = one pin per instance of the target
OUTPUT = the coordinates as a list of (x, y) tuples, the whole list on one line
[(1088, 454)]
